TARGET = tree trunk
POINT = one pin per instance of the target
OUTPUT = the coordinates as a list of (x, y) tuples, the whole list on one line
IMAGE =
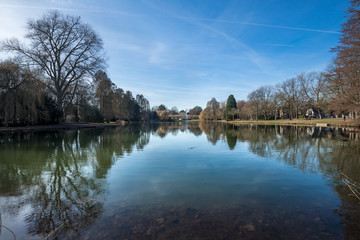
[(6, 120), (60, 108), (14, 115), (290, 113)]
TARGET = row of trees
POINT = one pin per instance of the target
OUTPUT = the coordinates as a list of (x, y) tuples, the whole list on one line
[(334, 91), (288, 99), (165, 114), (60, 75), (291, 98), (25, 99), (116, 104)]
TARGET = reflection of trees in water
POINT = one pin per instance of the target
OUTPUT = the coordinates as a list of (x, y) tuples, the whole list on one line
[(195, 129), (214, 131), (67, 196), (308, 148), (230, 136), (174, 127), (115, 143), (317, 150), (24, 157), (60, 174), (346, 158)]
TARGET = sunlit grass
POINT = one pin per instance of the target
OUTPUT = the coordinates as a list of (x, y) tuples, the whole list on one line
[(314, 121)]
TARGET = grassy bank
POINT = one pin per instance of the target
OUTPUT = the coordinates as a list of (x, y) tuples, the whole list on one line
[(334, 122)]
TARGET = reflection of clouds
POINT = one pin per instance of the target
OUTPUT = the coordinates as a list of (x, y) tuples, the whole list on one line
[(71, 181)]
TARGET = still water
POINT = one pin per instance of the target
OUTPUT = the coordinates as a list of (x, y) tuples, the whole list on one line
[(180, 181)]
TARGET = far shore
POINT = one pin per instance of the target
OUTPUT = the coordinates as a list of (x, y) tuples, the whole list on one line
[(62, 126), (331, 122)]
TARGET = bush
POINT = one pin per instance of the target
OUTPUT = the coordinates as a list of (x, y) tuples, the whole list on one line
[(90, 114)]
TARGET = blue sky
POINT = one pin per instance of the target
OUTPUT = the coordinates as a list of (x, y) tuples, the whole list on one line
[(183, 53)]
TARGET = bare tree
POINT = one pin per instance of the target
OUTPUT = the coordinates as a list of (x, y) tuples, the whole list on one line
[(255, 102), (262, 100), (143, 103), (64, 49), (345, 73), (195, 110), (291, 96), (241, 110), (212, 110), (267, 101), (314, 88)]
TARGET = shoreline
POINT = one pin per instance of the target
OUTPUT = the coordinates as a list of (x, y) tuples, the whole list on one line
[(62, 126), (332, 122)]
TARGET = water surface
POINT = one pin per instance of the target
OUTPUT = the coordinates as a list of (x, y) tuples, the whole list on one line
[(180, 181)]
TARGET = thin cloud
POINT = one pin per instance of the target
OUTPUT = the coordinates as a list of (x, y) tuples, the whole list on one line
[(250, 52), (262, 25), (69, 9), (279, 45), (156, 54), (163, 86), (241, 22), (40, 8)]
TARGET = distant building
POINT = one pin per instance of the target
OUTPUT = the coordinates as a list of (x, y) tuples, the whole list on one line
[(310, 113), (314, 113), (183, 114)]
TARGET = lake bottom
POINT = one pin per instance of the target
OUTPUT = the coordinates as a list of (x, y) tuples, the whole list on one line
[(241, 222)]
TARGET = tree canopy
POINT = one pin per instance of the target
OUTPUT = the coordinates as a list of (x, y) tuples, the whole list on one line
[(64, 49), (345, 73), (230, 107)]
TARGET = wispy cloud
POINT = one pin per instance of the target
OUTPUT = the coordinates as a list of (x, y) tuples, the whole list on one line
[(39, 7), (163, 86), (242, 22), (279, 45), (252, 55), (113, 12), (156, 53), (127, 47), (261, 25)]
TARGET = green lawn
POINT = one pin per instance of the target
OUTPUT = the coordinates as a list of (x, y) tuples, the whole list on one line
[(330, 121)]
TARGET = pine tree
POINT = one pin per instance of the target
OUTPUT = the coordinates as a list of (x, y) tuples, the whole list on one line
[(230, 107)]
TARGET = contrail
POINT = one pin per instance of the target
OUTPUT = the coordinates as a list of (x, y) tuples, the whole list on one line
[(261, 25), (42, 8), (67, 9)]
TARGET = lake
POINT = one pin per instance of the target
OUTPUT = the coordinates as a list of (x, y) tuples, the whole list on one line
[(183, 180)]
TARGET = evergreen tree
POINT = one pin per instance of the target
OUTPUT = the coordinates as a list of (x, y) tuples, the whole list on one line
[(230, 107)]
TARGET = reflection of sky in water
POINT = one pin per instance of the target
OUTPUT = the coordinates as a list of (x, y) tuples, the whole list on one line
[(277, 174), (189, 170)]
